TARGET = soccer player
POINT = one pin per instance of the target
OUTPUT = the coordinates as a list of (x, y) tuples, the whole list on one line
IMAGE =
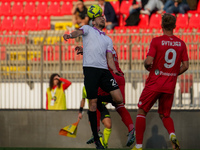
[(97, 53), (104, 116), (167, 58), (106, 97), (55, 95)]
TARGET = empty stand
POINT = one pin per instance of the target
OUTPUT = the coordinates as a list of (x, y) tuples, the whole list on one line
[(54, 8), (42, 8), (19, 23), (29, 8), (144, 21), (7, 23), (66, 8), (194, 21), (44, 23), (155, 21), (17, 8), (31, 23), (182, 21), (5, 9)]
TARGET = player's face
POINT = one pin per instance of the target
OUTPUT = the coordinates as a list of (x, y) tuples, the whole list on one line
[(55, 81), (100, 22)]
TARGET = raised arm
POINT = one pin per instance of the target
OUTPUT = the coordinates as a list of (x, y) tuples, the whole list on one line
[(72, 35)]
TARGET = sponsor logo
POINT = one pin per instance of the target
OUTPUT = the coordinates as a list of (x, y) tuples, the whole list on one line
[(140, 103), (157, 72)]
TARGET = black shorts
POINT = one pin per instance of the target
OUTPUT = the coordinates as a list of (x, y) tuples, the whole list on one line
[(95, 78), (105, 113)]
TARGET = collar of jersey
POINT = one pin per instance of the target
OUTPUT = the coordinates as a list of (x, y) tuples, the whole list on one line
[(100, 32)]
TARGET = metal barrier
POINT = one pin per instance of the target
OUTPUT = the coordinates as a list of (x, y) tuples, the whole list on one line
[(28, 60)]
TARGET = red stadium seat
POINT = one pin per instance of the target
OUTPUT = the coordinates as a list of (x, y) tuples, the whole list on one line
[(19, 23), (121, 38), (21, 38), (115, 5), (66, 8), (3, 52), (193, 52), (155, 21), (144, 21), (31, 23), (147, 36), (135, 38), (124, 8), (54, 8), (137, 52), (44, 23), (124, 52), (29, 8), (7, 23), (194, 21), (17, 8), (42, 8), (182, 21), (186, 82), (5, 9)]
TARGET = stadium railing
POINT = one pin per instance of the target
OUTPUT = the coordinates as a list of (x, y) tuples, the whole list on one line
[(29, 58)]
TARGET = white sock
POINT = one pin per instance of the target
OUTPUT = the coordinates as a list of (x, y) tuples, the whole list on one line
[(138, 145)]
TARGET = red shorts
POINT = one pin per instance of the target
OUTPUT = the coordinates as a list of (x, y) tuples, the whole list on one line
[(149, 97), (121, 83)]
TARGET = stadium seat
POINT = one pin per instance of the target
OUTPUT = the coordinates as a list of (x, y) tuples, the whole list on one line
[(17, 8), (54, 8), (3, 52), (124, 52), (124, 8), (31, 23), (135, 38), (29, 8), (155, 21), (193, 52), (66, 8), (42, 8), (7, 23), (20, 39), (146, 36), (19, 23), (70, 53), (186, 82), (144, 21), (137, 52), (123, 38), (182, 21), (5, 9), (194, 21), (115, 5), (44, 23)]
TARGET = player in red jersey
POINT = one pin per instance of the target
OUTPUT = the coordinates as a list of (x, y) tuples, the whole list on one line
[(106, 97), (167, 58)]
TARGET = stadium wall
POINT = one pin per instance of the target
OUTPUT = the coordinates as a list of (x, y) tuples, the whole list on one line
[(39, 128)]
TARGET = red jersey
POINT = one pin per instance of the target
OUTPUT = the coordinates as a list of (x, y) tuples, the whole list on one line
[(115, 57), (168, 53)]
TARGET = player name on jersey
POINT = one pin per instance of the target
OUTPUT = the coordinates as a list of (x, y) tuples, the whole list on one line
[(171, 43)]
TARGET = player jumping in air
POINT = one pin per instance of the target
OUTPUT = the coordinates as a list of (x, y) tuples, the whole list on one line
[(106, 97), (97, 53), (167, 58)]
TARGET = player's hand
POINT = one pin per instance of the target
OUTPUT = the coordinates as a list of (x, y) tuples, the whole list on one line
[(80, 115), (66, 37), (149, 68), (79, 50), (117, 72)]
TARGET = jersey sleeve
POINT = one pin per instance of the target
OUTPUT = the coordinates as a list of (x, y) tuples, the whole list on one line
[(84, 94), (110, 46), (66, 83), (152, 49), (85, 29), (185, 54)]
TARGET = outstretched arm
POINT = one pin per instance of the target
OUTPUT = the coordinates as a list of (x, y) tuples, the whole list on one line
[(72, 35)]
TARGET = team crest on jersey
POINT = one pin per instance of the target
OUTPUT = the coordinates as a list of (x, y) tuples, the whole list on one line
[(157, 72)]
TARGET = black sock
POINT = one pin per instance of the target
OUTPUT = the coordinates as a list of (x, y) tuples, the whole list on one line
[(93, 123)]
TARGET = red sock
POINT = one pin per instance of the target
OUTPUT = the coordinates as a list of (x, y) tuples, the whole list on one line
[(169, 124), (98, 120), (140, 126), (125, 116)]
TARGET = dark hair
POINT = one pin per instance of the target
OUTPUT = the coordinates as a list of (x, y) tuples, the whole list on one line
[(51, 81), (168, 22)]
